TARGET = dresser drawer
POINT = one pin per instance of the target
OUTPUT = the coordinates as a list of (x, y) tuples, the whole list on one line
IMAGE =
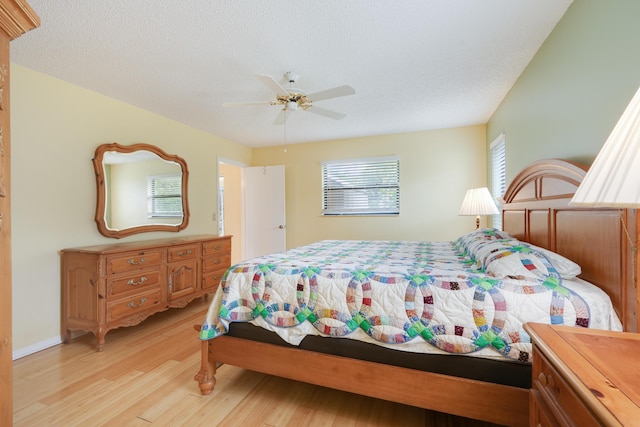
[(549, 387), (133, 283), (216, 246), (179, 253), (539, 414), (128, 306), (221, 262), (211, 279), (133, 261)]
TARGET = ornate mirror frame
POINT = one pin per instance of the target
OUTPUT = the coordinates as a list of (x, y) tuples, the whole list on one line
[(101, 203)]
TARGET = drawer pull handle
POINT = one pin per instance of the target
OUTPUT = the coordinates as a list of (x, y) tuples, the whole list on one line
[(185, 253), (132, 304), (551, 381), (217, 261), (134, 262), (133, 282), (217, 247), (543, 379)]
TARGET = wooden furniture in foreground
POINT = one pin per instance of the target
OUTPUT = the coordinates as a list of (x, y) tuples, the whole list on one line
[(536, 210), (109, 286), (16, 18), (584, 377)]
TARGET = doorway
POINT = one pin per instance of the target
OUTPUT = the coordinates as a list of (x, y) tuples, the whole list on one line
[(251, 208)]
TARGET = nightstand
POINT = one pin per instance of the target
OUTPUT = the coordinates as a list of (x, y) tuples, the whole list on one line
[(584, 377)]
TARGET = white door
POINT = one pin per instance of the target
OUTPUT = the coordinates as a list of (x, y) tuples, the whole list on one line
[(264, 211)]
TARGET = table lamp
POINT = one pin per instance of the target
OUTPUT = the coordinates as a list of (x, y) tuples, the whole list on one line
[(478, 201), (613, 180)]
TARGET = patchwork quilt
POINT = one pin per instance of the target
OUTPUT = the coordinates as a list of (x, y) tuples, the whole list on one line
[(468, 296)]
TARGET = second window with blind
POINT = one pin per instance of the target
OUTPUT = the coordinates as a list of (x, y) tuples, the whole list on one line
[(498, 174)]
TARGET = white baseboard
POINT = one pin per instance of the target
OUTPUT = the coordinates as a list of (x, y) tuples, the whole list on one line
[(22, 352)]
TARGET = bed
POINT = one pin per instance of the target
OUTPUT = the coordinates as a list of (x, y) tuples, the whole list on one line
[(426, 323)]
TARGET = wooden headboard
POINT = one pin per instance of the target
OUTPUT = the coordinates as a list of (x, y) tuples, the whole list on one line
[(536, 210)]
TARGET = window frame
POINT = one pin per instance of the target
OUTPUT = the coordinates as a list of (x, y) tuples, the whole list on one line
[(359, 198)]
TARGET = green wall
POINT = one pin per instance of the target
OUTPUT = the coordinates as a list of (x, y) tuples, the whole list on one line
[(567, 101)]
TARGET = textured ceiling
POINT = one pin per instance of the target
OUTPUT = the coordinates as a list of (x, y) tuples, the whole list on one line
[(415, 64)]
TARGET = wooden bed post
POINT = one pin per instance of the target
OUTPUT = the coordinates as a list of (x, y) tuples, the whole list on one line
[(206, 377)]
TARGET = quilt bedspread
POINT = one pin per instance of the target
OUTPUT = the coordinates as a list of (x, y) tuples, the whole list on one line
[(433, 297)]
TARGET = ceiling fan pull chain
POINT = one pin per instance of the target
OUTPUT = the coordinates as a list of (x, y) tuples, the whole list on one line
[(285, 131)]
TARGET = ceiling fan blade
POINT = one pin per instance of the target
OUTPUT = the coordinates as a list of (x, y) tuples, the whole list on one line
[(326, 113), (332, 93), (244, 104), (273, 84)]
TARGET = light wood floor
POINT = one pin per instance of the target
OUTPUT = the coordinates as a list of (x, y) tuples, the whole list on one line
[(145, 376)]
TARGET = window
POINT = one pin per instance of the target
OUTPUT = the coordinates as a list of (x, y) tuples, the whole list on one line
[(498, 174), (164, 194), (361, 187)]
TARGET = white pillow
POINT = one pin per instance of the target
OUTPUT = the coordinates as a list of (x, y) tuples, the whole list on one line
[(470, 241), (484, 247), (567, 268), (531, 263)]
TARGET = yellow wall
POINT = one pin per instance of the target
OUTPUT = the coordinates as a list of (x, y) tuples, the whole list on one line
[(233, 217), (55, 129), (436, 169)]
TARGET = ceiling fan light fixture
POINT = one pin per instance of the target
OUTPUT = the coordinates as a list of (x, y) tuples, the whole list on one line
[(293, 99)]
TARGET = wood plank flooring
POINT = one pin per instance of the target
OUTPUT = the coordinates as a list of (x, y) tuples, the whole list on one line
[(145, 375)]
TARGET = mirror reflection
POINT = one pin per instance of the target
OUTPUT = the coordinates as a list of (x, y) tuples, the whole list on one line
[(140, 189)]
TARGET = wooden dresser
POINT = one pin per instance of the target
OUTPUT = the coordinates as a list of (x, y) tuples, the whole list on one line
[(109, 286), (584, 377)]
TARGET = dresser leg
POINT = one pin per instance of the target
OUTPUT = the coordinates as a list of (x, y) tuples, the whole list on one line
[(100, 340)]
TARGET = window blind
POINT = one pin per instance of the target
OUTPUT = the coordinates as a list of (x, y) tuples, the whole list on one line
[(498, 174), (164, 196), (361, 187)]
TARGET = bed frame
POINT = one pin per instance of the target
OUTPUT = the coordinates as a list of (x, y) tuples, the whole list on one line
[(535, 210)]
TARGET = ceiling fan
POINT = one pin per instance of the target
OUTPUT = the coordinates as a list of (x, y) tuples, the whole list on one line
[(293, 99)]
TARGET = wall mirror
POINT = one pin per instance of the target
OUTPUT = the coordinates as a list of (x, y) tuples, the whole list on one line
[(140, 189)]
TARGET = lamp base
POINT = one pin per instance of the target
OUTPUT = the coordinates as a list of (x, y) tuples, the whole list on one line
[(477, 222)]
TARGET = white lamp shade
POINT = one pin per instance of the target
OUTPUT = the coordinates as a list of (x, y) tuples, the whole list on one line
[(478, 201), (613, 180)]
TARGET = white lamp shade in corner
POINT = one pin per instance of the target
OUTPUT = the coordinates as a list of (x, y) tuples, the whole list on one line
[(478, 201), (613, 180)]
